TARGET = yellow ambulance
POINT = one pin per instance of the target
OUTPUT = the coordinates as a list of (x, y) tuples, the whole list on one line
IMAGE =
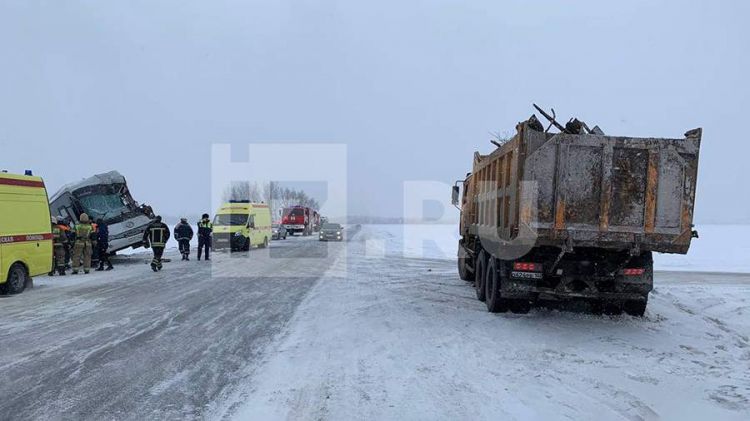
[(241, 225), (25, 231)]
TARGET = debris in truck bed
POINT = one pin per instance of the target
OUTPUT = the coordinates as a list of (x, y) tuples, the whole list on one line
[(573, 126)]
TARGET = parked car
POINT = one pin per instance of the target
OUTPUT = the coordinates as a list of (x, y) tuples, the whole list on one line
[(331, 232), (278, 232)]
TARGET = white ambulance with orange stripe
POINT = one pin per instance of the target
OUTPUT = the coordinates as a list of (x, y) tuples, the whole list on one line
[(25, 231)]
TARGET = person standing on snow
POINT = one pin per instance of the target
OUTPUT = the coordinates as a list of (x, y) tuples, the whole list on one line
[(82, 246), (64, 224), (59, 244), (156, 236), (94, 236), (183, 233), (102, 244), (205, 227)]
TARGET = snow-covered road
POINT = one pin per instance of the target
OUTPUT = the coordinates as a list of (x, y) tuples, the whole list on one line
[(337, 331), (133, 344), (403, 338)]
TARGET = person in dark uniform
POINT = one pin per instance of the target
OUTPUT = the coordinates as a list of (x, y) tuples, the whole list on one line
[(205, 227), (65, 226), (156, 237), (102, 244), (183, 233)]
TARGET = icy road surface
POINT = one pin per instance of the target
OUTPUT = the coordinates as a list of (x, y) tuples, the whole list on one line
[(361, 333), (134, 344), (403, 338)]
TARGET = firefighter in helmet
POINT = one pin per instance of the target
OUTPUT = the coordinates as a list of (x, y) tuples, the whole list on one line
[(82, 247), (156, 237), (59, 243)]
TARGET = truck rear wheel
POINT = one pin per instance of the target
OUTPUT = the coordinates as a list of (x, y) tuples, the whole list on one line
[(494, 300), (520, 306), (463, 270), (612, 308), (635, 307), (480, 272), (16, 282)]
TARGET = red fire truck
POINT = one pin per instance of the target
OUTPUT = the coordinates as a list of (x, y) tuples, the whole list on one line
[(300, 219)]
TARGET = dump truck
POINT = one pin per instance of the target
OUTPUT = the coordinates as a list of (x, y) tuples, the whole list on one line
[(574, 215)]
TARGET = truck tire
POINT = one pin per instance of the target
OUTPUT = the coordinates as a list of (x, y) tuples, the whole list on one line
[(463, 270), (612, 307), (494, 300), (480, 273), (635, 307), (520, 306), (17, 278)]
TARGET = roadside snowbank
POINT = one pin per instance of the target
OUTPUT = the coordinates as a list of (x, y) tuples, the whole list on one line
[(720, 248)]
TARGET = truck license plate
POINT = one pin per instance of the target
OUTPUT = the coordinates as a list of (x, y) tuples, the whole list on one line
[(526, 275)]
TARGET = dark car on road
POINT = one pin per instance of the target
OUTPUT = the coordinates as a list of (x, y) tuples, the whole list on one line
[(278, 232), (331, 232)]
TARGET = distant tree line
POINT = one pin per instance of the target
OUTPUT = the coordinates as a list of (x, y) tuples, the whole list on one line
[(276, 196)]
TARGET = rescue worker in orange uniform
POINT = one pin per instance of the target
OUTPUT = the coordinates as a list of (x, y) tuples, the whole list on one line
[(59, 243), (94, 236)]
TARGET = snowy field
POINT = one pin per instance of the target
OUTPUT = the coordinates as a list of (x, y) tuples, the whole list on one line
[(720, 248), (392, 337)]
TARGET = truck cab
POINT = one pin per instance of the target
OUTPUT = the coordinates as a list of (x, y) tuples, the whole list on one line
[(241, 225), (298, 219)]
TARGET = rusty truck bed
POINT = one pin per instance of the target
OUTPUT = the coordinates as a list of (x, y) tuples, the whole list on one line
[(586, 190)]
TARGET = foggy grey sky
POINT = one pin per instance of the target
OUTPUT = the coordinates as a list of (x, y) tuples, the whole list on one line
[(411, 87)]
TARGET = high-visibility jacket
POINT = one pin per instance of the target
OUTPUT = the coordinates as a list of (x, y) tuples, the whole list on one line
[(59, 237), (156, 234), (94, 232), (205, 227), (83, 232)]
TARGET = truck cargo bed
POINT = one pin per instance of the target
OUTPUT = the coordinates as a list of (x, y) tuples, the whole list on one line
[(586, 190)]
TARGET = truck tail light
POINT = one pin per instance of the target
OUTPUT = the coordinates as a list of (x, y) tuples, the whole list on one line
[(633, 271), (527, 267)]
